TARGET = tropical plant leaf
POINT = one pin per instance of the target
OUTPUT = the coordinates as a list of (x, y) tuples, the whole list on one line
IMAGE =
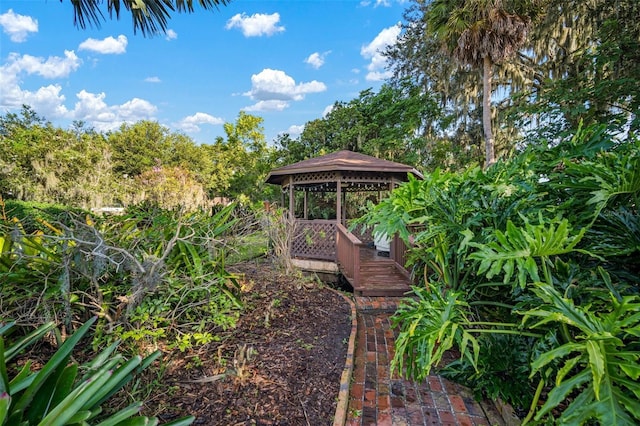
[(49, 368), (430, 326), (602, 372), (27, 340), (519, 247)]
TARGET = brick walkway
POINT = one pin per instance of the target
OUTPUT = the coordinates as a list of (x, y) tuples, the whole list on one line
[(377, 399)]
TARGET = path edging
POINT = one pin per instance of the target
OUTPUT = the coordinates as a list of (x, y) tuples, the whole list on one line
[(340, 417)]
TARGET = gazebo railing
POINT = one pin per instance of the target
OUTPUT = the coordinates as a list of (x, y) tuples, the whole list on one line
[(315, 239), (348, 253), (364, 235)]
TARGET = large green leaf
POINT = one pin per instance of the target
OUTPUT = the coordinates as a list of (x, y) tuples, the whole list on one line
[(602, 374), (430, 326), (27, 340), (59, 358), (519, 247)]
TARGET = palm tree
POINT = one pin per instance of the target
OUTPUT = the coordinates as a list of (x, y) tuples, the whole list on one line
[(149, 16), (481, 33)]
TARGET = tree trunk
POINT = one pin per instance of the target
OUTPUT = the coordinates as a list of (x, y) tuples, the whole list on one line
[(487, 73)]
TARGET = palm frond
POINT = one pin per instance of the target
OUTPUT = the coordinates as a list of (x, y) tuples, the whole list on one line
[(149, 16)]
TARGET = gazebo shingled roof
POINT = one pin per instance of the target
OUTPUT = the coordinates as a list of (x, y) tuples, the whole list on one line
[(341, 161)]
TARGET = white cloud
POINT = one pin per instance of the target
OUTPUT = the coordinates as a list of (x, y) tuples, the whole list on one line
[(152, 79), (106, 46), (295, 130), (256, 25), (52, 67), (316, 60), (135, 110), (383, 3), (192, 122), (270, 105), (46, 100), (373, 51), (18, 27), (171, 35), (94, 110), (275, 85)]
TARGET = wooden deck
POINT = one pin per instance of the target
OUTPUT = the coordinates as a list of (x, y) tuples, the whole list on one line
[(368, 272), (379, 276)]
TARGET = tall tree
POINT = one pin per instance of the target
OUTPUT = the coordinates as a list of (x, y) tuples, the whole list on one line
[(138, 147), (480, 33), (418, 56), (585, 66), (40, 162), (396, 123), (149, 16), (239, 163)]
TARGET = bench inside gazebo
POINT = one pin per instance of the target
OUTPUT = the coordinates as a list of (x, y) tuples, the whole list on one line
[(374, 266)]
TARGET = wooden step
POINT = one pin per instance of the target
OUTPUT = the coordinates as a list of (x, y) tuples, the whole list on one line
[(382, 280), (379, 276)]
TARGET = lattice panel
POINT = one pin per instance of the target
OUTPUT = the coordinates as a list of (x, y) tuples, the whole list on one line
[(315, 177), (315, 240), (353, 176), (366, 236)]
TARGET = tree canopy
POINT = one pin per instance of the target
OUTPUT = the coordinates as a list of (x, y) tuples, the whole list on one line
[(579, 67), (84, 168)]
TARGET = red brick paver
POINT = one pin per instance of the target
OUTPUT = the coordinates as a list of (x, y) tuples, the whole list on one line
[(376, 398)]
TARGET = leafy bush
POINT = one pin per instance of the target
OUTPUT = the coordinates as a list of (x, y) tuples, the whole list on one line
[(150, 274), (35, 216), (597, 366), (550, 234), (504, 358)]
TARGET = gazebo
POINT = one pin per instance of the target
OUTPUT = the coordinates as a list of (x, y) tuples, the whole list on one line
[(371, 267)]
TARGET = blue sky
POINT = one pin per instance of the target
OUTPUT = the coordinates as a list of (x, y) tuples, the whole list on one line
[(285, 61)]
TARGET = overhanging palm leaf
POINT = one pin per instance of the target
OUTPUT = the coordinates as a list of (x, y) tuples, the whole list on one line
[(149, 16)]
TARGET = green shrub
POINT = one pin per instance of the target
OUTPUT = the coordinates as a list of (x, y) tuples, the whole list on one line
[(34, 215), (503, 359), (551, 235)]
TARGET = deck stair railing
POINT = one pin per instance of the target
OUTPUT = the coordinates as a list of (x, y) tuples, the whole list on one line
[(348, 253), (399, 254)]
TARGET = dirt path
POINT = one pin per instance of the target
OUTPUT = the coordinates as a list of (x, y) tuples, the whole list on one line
[(281, 365)]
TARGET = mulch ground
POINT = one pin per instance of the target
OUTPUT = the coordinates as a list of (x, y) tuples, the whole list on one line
[(281, 365)]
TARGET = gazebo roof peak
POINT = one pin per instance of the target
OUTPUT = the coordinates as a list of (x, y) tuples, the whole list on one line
[(341, 161)]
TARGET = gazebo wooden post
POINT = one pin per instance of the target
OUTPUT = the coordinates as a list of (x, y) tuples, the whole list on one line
[(339, 197), (344, 210), (305, 215), (292, 213), (282, 197)]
